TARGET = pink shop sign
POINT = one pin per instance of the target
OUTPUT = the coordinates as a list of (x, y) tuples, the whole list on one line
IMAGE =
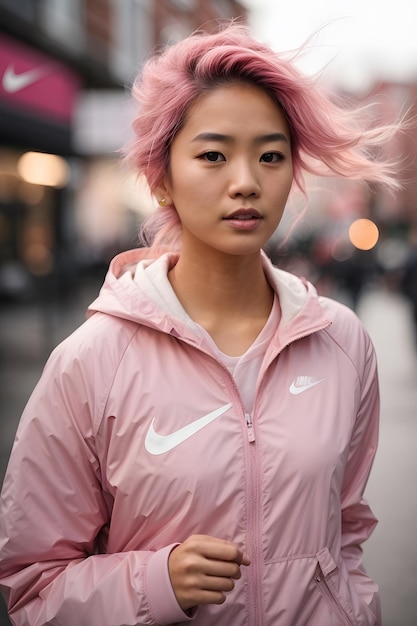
[(33, 81)]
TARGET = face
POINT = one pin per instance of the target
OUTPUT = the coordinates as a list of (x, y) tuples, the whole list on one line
[(230, 171)]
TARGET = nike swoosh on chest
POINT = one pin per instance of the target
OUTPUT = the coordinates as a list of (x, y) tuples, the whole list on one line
[(157, 444)]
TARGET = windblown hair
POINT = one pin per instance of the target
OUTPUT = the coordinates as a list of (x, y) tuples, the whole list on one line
[(327, 138)]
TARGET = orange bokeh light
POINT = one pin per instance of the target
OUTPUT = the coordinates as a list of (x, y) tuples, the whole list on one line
[(363, 234)]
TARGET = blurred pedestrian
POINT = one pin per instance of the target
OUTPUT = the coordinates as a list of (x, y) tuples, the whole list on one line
[(408, 282), (198, 450)]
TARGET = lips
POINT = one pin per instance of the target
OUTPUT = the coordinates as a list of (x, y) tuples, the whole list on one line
[(244, 214), (244, 220)]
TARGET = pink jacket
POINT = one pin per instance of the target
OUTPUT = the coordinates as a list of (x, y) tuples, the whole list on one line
[(135, 438)]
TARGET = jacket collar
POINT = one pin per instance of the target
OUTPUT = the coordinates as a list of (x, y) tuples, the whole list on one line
[(124, 296)]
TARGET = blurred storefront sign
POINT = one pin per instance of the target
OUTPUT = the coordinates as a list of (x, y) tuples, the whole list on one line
[(37, 98)]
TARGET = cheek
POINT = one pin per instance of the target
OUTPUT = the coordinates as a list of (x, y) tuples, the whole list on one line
[(282, 191), (288, 183), (288, 188), (185, 183)]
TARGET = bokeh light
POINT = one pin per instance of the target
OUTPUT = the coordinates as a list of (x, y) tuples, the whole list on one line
[(38, 168), (363, 234)]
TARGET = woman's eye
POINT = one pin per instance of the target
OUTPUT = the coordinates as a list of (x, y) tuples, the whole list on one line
[(272, 157), (212, 156)]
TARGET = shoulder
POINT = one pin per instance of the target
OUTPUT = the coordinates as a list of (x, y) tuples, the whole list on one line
[(100, 336), (81, 370), (339, 312), (348, 332), (86, 362)]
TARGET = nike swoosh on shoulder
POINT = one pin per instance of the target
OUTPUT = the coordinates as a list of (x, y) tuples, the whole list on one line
[(159, 444), (302, 383)]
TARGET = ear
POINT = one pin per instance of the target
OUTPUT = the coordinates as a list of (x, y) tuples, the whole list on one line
[(162, 192)]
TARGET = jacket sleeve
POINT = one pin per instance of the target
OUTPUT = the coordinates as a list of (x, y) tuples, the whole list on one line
[(358, 521), (54, 515)]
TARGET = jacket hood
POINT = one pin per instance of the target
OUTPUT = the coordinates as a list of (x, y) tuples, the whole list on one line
[(132, 291)]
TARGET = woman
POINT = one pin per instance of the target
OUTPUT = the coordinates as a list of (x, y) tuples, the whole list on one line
[(198, 450)]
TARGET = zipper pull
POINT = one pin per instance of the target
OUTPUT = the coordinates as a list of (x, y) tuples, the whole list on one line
[(249, 424)]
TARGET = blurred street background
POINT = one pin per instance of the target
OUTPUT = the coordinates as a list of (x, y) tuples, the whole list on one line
[(68, 204)]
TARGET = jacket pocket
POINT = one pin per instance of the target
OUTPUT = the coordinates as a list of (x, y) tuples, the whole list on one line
[(327, 581)]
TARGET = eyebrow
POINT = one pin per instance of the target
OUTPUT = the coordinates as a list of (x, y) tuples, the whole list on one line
[(269, 137)]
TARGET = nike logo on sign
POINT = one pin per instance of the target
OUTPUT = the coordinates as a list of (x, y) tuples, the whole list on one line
[(12, 82), (302, 383), (159, 444)]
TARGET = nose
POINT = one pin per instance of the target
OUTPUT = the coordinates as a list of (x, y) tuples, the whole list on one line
[(243, 180)]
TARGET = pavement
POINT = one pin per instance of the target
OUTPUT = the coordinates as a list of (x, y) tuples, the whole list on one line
[(29, 332), (390, 555)]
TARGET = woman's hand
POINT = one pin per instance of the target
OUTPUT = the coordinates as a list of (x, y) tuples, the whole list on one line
[(203, 569)]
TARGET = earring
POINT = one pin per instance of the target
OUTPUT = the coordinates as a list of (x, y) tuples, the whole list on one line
[(162, 202)]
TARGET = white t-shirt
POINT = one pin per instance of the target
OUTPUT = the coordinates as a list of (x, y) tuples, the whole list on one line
[(245, 368)]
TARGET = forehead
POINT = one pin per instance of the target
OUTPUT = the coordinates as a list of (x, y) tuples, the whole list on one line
[(233, 108)]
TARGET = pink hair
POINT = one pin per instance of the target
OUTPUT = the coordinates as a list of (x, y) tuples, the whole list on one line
[(327, 138)]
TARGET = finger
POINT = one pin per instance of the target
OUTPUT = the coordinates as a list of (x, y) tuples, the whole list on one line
[(245, 560), (220, 549), (217, 583), (224, 569), (210, 597), (242, 559)]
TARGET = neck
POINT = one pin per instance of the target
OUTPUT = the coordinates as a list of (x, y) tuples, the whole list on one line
[(228, 286)]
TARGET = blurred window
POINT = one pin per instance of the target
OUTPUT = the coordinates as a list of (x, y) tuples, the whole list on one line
[(132, 36), (61, 19)]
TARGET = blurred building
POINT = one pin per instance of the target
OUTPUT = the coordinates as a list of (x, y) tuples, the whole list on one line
[(65, 70)]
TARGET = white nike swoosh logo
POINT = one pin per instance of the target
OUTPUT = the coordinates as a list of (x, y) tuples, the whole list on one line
[(159, 444), (12, 82), (302, 383)]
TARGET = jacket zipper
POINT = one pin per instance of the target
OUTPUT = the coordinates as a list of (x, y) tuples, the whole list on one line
[(253, 532), (248, 416), (325, 591), (249, 426), (253, 515)]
